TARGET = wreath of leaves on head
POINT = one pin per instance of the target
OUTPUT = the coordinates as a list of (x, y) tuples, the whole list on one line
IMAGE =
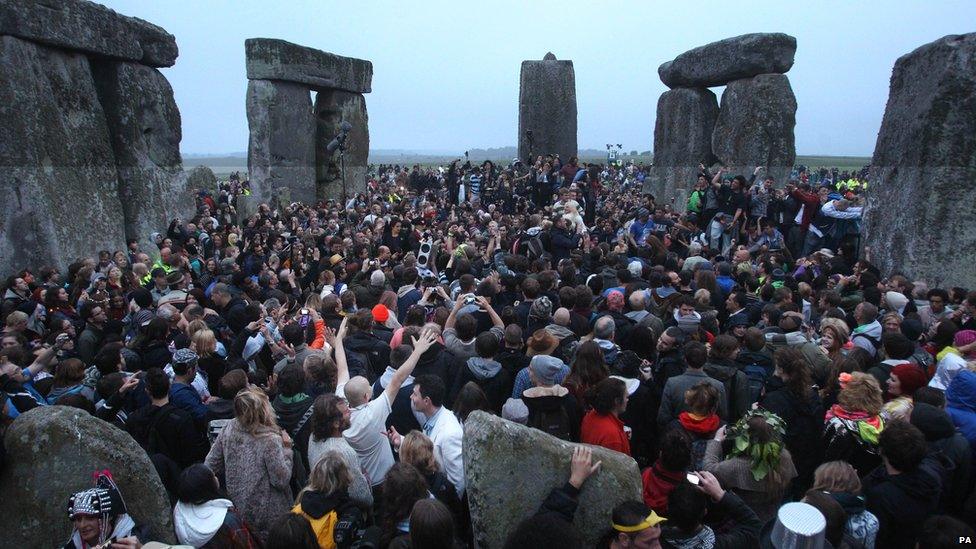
[(764, 457)]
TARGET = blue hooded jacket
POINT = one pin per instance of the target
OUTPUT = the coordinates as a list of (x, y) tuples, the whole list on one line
[(961, 405)]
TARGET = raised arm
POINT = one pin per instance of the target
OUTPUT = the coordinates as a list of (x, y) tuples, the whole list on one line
[(47, 355), (495, 319), (420, 347), (452, 318), (342, 367)]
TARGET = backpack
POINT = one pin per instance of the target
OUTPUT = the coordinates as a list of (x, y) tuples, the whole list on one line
[(358, 364), (554, 421), (336, 529), (756, 376), (534, 247)]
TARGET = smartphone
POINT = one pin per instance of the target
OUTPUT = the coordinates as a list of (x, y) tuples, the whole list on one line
[(693, 478)]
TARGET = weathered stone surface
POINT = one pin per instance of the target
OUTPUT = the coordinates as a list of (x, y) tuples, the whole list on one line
[(331, 109), (57, 168), (270, 59), (755, 126), (144, 123), (731, 59), (547, 108), (682, 140), (510, 469), (52, 452), (201, 177), (921, 193), (281, 149), (88, 27)]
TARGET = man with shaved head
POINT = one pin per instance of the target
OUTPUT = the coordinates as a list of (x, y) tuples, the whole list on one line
[(367, 422)]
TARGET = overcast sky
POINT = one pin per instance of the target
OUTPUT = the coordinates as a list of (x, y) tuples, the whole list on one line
[(446, 73)]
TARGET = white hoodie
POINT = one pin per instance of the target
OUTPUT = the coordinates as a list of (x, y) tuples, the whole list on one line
[(197, 524)]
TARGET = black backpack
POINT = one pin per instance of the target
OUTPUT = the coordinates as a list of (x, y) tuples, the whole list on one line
[(756, 375), (550, 419)]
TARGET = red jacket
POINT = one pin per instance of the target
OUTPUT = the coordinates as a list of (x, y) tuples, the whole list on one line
[(658, 485), (604, 430), (811, 203)]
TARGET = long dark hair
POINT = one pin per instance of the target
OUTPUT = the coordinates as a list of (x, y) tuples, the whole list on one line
[(403, 487), (470, 398), (605, 396), (792, 363)]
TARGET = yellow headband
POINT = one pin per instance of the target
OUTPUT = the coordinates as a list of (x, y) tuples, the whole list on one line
[(652, 520)]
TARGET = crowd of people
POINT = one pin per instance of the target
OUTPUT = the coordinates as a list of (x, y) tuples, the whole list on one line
[(301, 377)]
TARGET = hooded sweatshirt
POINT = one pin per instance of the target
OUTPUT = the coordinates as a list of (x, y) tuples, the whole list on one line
[(868, 337), (942, 437), (196, 525), (961, 404), (903, 502)]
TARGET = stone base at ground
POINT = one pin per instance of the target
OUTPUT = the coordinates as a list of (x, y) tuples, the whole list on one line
[(922, 190), (755, 126), (281, 150), (52, 452), (682, 140), (510, 470)]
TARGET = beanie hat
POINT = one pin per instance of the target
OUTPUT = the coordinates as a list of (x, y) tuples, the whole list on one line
[(377, 279), (911, 378), (143, 298), (541, 308), (636, 268), (963, 338), (546, 368), (380, 313), (615, 301), (912, 329), (896, 301)]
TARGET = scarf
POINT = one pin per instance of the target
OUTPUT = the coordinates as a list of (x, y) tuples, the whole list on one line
[(868, 427), (702, 425)]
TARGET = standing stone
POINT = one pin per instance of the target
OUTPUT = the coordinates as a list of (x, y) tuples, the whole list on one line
[(510, 469), (144, 123), (52, 452), (202, 177), (731, 59), (682, 140), (922, 189), (281, 149), (58, 175), (88, 27), (755, 126), (331, 109), (270, 59), (547, 108)]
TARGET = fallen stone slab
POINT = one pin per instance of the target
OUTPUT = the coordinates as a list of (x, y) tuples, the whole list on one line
[(52, 452), (89, 27), (730, 59), (510, 469), (922, 187), (272, 59)]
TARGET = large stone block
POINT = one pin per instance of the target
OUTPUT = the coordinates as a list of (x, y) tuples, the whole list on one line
[(547, 108), (509, 470), (144, 123), (88, 27), (731, 59), (202, 177), (331, 109), (57, 168), (52, 452), (270, 59), (922, 190), (682, 140), (755, 126), (281, 149)]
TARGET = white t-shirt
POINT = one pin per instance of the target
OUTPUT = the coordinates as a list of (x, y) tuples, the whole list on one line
[(365, 435)]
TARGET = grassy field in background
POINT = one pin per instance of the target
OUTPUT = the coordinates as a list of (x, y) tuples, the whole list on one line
[(223, 166)]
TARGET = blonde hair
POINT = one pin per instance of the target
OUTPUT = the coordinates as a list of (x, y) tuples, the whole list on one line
[(196, 326), (205, 342), (862, 393), (314, 301), (418, 450), (836, 476), (16, 317), (253, 412), (329, 475)]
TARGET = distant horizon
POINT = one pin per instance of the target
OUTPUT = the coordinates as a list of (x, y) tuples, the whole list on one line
[(449, 152)]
